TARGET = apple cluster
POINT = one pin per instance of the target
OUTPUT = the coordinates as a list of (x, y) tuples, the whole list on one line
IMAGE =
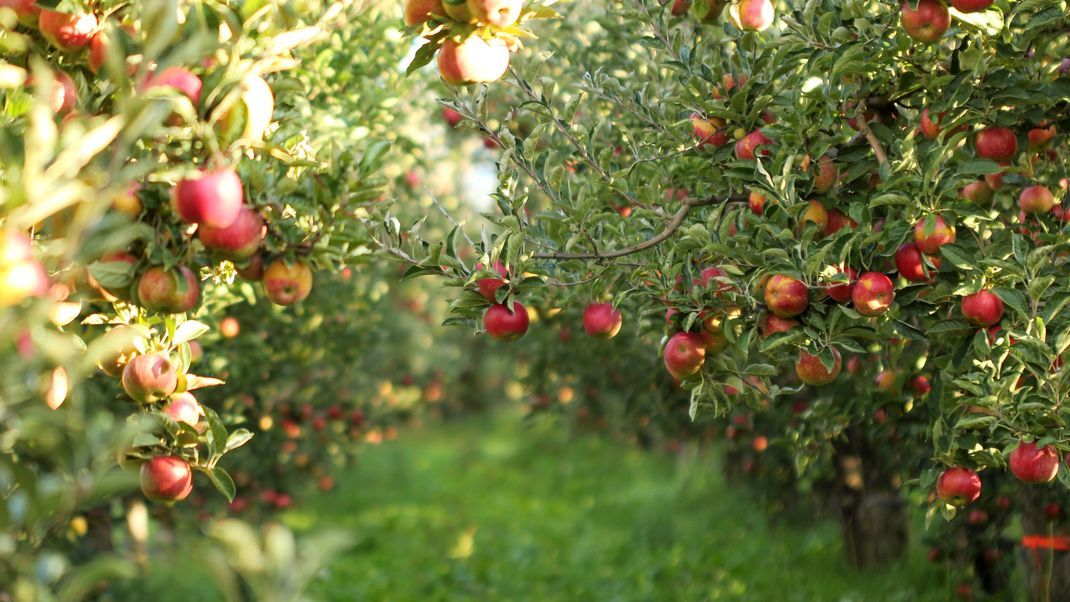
[(474, 39)]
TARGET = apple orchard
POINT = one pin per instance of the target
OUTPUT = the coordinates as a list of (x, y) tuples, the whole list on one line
[(828, 234)]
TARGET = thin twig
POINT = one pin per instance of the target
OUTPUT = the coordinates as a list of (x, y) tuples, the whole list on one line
[(673, 225), (871, 138)]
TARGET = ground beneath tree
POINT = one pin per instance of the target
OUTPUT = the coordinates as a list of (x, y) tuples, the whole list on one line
[(499, 509)]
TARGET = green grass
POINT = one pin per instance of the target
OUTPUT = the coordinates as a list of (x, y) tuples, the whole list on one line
[(498, 510)]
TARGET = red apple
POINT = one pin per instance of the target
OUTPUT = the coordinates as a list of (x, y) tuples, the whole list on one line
[(488, 287), (169, 291), (921, 385), (977, 192), (815, 214), (1034, 465), (785, 296), (929, 240), (996, 143), (211, 198), (420, 11), (67, 31), (238, 241), (811, 371), (184, 407), (178, 78), (452, 116), (27, 12), (680, 7), (1036, 199), (286, 284), (505, 325), (971, 6), (708, 131), (926, 23), (756, 201), (873, 294), (910, 262), (983, 308), (837, 221), (684, 355), (166, 479), (958, 486), (747, 146), (149, 378), (601, 320), (827, 175), (498, 13), (753, 15), (1041, 137), (774, 324), (842, 292), (472, 61), (929, 128)]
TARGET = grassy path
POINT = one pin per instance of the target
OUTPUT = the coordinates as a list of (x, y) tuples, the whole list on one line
[(492, 509), (502, 511)]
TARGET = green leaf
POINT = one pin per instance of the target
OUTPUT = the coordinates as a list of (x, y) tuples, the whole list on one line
[(222, 481)]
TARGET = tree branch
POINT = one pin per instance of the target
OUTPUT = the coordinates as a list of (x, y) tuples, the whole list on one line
[(871, 138), (673, 225)]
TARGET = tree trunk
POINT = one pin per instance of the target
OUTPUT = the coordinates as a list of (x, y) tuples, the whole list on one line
[(873, 515), (1047, 570)]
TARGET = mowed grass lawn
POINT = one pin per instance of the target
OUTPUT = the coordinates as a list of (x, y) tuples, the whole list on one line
[(497, 509)]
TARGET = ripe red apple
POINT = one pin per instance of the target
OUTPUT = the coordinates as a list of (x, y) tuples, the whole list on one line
[(811, 371), (287, 284), (926, 23), (760, 443), (166, 479), (910, 262), (958, 486), (1041, 137), (238, 241), (971, 6), (472, 61), (1052, 511), (747, 146), (602, 320), (983, 308), (452, 116), (827, 174), (149, 378), (756, 201), (752, 15), (921, 385), (873, 294), (101, 44), (1034, 465), (169, 291), (178, 78), (815, 214), (1036, 199), (842, 292), (679, 7), (229, 327), (929, 128), (774, 324), (838, 221), (488, 287), (996, 143), (211, 198), (253, 270), (184, 407), (929, 241), (27, 11), (708, 131), (67, 31), (505, 325), (499, 13), (420, 11), (785, 296), (977, 517), (978, 192), (713, 336), (684, 355)]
